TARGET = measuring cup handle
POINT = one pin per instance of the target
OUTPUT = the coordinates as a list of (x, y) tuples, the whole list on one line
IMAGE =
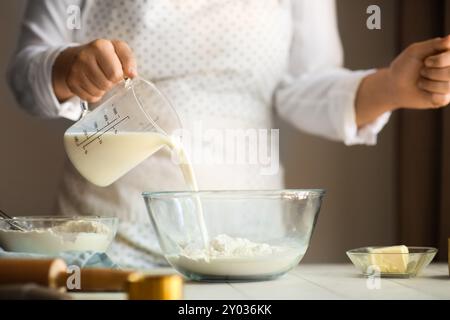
[(84, 108)]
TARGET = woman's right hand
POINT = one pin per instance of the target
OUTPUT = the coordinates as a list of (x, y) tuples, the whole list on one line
[(88, 71)]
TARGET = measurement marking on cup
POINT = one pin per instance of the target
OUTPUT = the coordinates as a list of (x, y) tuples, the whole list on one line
[(100, 132), (88, 137)]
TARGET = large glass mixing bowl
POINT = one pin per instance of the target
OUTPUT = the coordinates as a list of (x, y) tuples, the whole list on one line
[(234, 235)]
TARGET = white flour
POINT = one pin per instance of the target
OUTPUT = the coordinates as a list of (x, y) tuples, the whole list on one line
[(81, 226), (226, 246), (234, 257), (79, 235)]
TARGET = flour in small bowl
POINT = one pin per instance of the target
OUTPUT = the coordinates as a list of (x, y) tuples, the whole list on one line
[(85, 226), (76, 235), (234, 257)]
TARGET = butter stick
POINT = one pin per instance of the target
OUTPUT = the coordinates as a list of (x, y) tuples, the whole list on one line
[(390, 259)]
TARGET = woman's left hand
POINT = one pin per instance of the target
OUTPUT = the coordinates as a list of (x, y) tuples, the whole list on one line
[(419, 77)]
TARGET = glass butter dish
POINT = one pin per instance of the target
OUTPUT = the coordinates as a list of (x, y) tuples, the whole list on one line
[(395, 261)]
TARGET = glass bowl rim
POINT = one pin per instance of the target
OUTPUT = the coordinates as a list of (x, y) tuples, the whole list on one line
[(426, 250), (59, 218), (311, 193)]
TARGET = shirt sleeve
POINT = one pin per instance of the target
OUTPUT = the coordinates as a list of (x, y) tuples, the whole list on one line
[(44, 34), (317, 95)]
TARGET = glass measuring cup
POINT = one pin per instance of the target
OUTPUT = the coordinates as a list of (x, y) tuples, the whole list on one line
[(130, 123)]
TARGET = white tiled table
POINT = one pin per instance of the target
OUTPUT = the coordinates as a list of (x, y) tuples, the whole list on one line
[(318, 281)]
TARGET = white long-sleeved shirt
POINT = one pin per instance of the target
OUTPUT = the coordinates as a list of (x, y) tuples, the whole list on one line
[(222, 63)]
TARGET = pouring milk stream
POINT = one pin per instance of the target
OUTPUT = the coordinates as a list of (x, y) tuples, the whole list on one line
[(131, 123)]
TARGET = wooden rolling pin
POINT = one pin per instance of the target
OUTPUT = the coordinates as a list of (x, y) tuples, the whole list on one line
[(41, 272), (94, 279), (31, 291), (54, 274)]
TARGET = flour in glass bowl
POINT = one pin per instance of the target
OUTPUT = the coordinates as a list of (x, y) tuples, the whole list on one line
[(234, 257), (76, 235)]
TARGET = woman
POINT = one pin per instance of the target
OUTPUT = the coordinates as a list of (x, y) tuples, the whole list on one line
[(222, 63)]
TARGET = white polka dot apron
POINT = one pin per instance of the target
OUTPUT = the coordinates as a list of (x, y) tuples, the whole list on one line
[(219, 62)]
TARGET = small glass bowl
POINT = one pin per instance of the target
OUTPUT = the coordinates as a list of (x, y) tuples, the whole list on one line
[(394, 265), (49, 235)]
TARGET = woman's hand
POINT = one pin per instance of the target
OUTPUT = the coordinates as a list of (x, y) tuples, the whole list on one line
[(90, 70), (420, 75), (419, 78)]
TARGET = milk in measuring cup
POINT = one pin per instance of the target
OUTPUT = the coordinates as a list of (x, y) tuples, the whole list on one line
[(118, 154)]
